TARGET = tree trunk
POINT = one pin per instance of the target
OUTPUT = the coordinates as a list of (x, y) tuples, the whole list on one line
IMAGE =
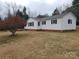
[(13, 32)]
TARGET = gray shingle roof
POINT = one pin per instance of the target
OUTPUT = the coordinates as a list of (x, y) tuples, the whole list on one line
[(53, 17)]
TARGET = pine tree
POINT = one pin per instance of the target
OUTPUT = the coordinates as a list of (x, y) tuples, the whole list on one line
[(25, 16), (75, 9)]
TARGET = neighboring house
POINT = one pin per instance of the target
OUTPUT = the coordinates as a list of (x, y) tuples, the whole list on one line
[(61, 22)]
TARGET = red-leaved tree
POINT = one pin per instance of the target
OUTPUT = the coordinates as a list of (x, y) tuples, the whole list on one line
[(16, 19), (12, 24)]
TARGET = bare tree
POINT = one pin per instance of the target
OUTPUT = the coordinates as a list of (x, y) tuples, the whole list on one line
[(11, 9)]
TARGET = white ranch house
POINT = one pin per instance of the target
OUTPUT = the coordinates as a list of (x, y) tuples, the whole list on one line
[(62, 22)]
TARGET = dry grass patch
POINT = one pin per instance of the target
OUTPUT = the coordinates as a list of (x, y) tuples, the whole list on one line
[(39, 45)]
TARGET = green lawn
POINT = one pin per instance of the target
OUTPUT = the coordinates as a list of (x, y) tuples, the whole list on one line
[(39, 45)]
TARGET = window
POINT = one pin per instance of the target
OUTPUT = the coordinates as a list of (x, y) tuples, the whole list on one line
[(43, 22), (31, 24), (53, 21), (38, 23), (69, 21)]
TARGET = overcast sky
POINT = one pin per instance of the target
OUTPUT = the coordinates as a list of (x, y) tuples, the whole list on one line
[(41, 6)]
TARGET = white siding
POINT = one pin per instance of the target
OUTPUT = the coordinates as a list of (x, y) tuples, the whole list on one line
[(50, 26), (65, 25), (31, 27)]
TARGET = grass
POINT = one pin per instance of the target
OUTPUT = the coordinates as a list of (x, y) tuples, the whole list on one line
[(39, 45)]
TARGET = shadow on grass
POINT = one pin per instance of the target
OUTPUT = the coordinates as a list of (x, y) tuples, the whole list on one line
[(8, 38)]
